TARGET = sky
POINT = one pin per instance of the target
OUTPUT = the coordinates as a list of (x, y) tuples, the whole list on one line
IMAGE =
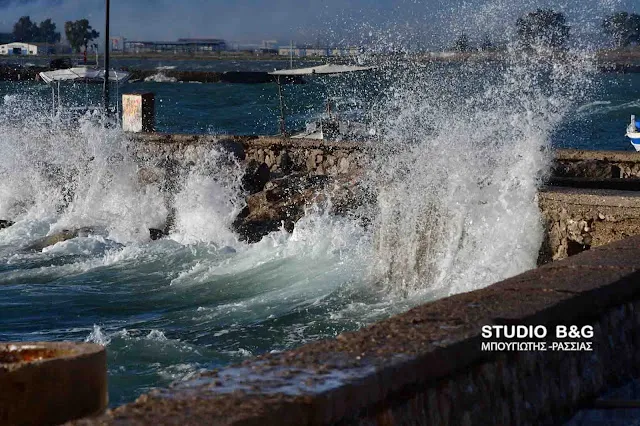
[(346, 22)]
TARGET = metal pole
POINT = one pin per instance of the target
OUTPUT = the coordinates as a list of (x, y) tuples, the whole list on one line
[(283, 129), (105, 90)]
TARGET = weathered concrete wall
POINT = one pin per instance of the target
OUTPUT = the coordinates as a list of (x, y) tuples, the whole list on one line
[(427, 366), (280, 155), (578, 219), (47, 383), (596, 164), (575, 219)]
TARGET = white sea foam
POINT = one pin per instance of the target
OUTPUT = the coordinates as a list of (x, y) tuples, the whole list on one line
[(209, 201), (160, 78), (459, 169), (97, 336)]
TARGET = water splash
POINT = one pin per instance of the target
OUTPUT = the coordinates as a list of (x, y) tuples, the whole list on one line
[(210, 199), (98, 336), (84, 175), (464, 151)]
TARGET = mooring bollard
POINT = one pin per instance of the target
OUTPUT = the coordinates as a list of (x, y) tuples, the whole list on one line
[(138, 112), (48, 383)]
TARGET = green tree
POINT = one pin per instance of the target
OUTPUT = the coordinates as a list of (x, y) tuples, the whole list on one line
[(79, 33), (47, 32), (462, 43), (543, 28), (623, 27), (25, 30)]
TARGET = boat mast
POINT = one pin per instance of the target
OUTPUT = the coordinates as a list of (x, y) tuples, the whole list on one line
[(105, 90), (283, 130), (290, 54)]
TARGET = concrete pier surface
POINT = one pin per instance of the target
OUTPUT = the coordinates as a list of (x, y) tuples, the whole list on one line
[(47, 383)]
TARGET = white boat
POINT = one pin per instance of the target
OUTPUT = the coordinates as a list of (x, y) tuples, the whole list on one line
[(321, 69), (633, 133), (86, 75), (329, 126)]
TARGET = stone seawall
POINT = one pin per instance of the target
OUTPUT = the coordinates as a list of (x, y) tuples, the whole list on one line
[(596, 164), (574, 219), (577, 219), (322, 157), (427, 366), (281, 156)]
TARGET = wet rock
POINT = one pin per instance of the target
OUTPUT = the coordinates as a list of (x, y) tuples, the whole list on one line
[(233, 147), (57, 237), (255, 177), (587, 169), (156, 234), (284, 162), (159, 233), (283, 202), (5, 224)]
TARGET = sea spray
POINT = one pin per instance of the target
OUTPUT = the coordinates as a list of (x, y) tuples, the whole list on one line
[(209, 199), (455, 177), (464, 151)]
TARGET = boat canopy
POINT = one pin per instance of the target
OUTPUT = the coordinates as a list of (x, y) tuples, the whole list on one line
[(84, 74), (322, 69)]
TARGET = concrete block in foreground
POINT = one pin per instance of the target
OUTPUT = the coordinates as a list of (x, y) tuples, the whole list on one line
[(45, 383)]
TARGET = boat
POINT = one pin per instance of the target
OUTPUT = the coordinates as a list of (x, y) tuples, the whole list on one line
[(633, 132), (329, 126), (82, 74)]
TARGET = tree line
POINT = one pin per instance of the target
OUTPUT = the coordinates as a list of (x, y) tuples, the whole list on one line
[(548, 28), (79, 33)]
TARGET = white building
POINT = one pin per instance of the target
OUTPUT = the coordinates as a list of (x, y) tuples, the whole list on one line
[(18, 49)]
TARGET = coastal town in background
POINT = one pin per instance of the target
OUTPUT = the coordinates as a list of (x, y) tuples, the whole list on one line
[(617, 32)]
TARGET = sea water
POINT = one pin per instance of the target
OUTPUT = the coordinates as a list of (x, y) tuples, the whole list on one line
[(454, 184)]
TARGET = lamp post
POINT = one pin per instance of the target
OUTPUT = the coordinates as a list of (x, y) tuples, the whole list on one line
[(105, 90)]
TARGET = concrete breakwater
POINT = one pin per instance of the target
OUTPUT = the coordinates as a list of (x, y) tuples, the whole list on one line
[(18, 73), (47, 383), (284, 176)]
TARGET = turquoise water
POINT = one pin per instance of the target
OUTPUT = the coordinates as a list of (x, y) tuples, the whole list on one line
[(201, 298)]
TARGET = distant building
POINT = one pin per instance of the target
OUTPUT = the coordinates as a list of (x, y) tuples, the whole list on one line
[(317, 51), (117, 43), (205, 44), (269, 44), (19, 49), (183, 45), (284, 51)]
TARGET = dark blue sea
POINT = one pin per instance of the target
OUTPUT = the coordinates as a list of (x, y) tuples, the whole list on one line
[(455, 181)]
